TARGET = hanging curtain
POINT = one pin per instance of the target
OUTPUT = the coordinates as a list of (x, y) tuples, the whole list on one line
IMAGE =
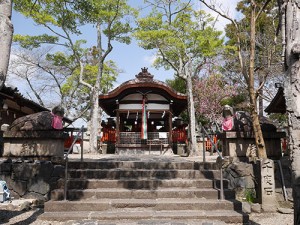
[(144, 119)]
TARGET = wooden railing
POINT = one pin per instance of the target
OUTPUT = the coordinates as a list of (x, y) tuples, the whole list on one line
[(135, 137)]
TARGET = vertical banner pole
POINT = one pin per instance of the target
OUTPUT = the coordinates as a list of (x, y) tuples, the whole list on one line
[(144, 120)]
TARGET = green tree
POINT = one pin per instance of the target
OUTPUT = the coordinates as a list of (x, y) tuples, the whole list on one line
[(178, 84), (247, 61), (64, 18), (184, 39), (53, 78), (268, 57), (77, 96)]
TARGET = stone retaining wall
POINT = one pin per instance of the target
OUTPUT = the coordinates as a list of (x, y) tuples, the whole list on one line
[(31, 179), (243, 178)]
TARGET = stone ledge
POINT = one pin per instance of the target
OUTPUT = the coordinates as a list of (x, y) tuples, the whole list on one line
[(267, 135), (35, 134)]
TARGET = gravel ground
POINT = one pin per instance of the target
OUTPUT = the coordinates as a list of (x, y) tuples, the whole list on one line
[(32, 217)]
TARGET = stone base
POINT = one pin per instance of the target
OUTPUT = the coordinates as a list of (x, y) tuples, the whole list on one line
[(104, 149), (181, 149), (237, 144), (269, 207), (33, 143)]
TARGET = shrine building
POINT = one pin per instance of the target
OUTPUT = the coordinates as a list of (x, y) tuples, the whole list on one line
[(142, 112)]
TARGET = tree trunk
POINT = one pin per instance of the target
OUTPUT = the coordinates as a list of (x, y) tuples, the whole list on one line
[(291, 38), (192, 121), (260, 97), (94, 120), (6, 31), (94, 126), (259, 139), (292, 101)]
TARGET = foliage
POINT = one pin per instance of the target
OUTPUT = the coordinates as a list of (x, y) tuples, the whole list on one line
[(178, 84), (210, 94), (31, 42), (250, 195), (77, 96), (268, 68), (63, 20), (180, 38), (281, 119), (245, 40), (184, 39)]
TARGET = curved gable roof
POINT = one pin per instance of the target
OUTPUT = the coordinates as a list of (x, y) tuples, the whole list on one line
[(143, 83)]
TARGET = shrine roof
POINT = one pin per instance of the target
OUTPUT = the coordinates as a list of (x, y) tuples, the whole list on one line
[(278, 104), (143, 83), (14, 95)]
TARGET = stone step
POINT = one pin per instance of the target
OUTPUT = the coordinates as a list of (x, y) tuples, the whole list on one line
[(227, 216), (142, 173), (154, 204), (140, 183), (75, 194), (155, 164)]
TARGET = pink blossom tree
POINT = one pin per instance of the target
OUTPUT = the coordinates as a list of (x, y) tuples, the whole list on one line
[(210, 91)]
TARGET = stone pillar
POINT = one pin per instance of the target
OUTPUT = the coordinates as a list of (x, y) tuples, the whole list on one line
[(267, 185)]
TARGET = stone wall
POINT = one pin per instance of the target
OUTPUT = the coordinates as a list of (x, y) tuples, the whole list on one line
[(243, 177), (31, 179)]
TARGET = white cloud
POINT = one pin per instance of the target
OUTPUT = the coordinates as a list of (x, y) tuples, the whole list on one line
[(149, 59)]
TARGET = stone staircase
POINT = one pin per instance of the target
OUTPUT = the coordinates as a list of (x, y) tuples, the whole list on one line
[(153, 188)]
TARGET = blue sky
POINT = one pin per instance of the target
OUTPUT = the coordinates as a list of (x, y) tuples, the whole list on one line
[(129, 58)]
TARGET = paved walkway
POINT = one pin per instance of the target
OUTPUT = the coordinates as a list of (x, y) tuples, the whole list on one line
[(31, 217)]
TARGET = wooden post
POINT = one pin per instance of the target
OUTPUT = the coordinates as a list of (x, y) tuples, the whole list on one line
[(170, 129), (118, 128)]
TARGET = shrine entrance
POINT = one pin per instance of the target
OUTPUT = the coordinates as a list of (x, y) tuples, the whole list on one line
[(143, 109)]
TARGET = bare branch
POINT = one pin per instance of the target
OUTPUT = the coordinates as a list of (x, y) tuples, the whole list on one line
[(81, 76), (221, 13), (53, 31), (238, 33), (82, 112), (167, 60), (262, 9)]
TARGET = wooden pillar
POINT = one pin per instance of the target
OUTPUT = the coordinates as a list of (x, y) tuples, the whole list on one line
[(170, 128), (118, 128)]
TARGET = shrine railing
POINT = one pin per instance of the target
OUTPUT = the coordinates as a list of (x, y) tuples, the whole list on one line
[(66, 158), (135, 137)]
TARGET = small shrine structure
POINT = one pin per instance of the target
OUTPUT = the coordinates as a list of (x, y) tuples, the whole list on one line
[(13, 105), (143, 109)]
